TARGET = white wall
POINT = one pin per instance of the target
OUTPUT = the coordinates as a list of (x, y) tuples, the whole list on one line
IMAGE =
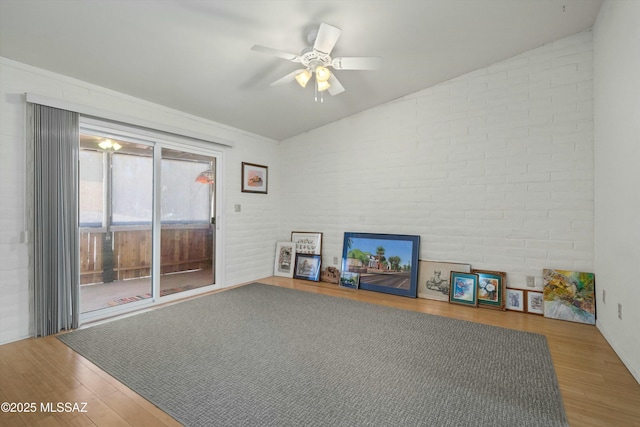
[(249, 236), (494, 168), (617, 176)]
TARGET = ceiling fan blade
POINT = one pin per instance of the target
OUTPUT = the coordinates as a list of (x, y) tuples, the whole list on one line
[(289, 56), (286, 79), (326, 38), (357, 63), (336, 87)]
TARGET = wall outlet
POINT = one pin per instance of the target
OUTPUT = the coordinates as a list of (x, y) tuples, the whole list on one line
[(335, 260), (237, 208), (531, 281), (619, 311), (604, 296)]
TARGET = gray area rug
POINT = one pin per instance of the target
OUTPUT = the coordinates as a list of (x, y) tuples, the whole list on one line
[(260, 355)]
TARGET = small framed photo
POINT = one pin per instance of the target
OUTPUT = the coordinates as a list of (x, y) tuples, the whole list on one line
[(350, 280), (285, 259), (464, 288), (535, 302), (491, 286), (515, 299), (307, 242), (254, 178), (307, 267)]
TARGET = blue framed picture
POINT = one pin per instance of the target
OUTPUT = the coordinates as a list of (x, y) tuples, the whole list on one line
[(385, 262), (464, 288)]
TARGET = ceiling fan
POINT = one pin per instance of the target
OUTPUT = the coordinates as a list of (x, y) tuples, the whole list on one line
[(316, 60)]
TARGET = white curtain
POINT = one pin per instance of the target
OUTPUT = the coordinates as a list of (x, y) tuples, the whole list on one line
[(54, 139)]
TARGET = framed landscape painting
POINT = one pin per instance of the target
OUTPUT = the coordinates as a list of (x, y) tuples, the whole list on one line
[(434, 276), (569, 295), (385, 262)]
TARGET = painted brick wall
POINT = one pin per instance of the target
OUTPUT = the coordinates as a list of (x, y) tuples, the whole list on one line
[(494, 168), (248, 236)]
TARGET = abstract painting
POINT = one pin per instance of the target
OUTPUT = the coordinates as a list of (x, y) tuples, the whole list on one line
[(569, 295)]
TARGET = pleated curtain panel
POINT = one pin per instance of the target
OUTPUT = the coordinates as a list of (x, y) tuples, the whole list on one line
[(54, 140)]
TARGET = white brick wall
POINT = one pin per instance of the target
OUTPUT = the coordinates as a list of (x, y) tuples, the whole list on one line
[(494, 168), (249, 236)]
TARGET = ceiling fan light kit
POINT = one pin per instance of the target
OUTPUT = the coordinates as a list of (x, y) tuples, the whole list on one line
[(316, 60)]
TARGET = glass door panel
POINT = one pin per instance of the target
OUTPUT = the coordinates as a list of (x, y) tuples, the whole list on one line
[(116, 213), (187, 232)]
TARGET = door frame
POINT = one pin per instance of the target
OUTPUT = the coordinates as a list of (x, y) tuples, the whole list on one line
[(161, 140)]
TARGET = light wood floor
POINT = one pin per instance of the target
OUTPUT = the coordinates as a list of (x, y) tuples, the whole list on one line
[(596, 387)]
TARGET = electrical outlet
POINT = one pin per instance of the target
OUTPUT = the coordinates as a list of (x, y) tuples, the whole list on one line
[(237, 208), (604, 296), (335, 260), (619, 311), (531, 281)]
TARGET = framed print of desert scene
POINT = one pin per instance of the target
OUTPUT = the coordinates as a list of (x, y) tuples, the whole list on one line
[(385, 262), (569, 295), (434, 276)]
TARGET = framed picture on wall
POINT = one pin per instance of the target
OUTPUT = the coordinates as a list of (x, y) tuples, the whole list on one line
[(491, 286), (254, 178)]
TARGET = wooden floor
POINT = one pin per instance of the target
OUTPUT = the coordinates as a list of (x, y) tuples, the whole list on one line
[(596, 387)]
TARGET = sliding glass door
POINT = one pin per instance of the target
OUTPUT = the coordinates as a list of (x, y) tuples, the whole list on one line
[(147, 220), (187, 231), (116, 216)]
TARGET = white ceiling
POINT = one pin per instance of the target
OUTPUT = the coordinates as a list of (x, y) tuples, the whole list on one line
[(195, 55)]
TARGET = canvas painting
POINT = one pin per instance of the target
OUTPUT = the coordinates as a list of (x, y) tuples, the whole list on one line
[(434, 276), (569, 295)]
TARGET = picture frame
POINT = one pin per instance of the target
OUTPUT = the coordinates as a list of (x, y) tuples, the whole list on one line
[(464, 288), (535, 302), (434, 278), (307, 267), (285, 258), (514, 299), (569, 295), (307, 242), (491, 285), (349, 280), (254, 178), (386, 263)]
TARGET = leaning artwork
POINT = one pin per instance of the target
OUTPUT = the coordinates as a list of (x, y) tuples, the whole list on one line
[(569, 295), (433, 278)]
